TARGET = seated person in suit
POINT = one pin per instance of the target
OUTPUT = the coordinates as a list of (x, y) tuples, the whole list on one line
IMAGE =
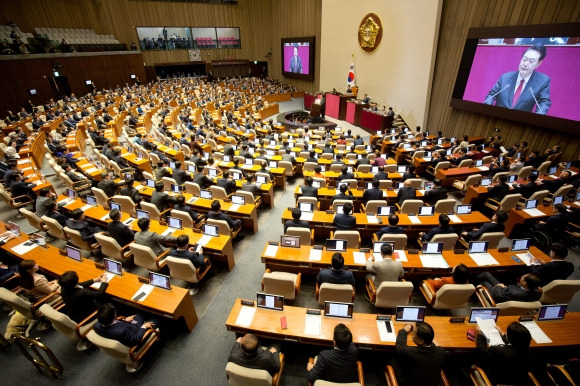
[(345, 194), (392, 228), (107, 185), (53, 213), (407, 192), (437, 193), (190, 254), (379, 160), (44, 195), (151, 239), (525, 289), (386, 270), (311, 157), (296, 222), (381, 174), (248, 353), (227, 182), (498, 192), (557, 269), (308, 190), (36, 285), (345, 174), (498, 167), (122, 234), (162, 170), (289, 157), (79, 301), (216, 214), (179, 175), (19, 189), (182, 206), (420, 365), (373, 193), (78, 223), (250, 186), (410, 173), (459, 275), (556, 224), (201, 179), (509, 363), (443, 228), (264, 169), (129, 191), (526, 190), (338, 364), (344, 221), (128, 331), (161, 199), (336, 275), (496, 225)]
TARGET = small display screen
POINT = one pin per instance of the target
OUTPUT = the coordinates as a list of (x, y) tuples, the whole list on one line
[(159, 280), (339, 310), (113, 266), (272, 302), (336, 245), (432, 247), (410, 314)]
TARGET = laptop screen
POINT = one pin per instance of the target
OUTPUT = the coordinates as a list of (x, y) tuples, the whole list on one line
[(410, 314), (236, 176), (479, 162), (316, 184), (271, 302), (384, 210), (553, 170), (205, 194), (400, 185), (531, 204), (174, 222), (159, 280), (336, 245), (113, 266), (150, 183), (226, 158), (290, 241), (114, 205), (249, 161), (70, 193), (339, 310), (176, 188), (426, 210), (578, 196), (211, 230), (142, 214), (423, 143), (306, 207), (552, 312), (521, 245), (485, 181), (73, 253), (401, 168), (239, 200), (191, 168), (432, 247), (558, 200), (92, 200), (478, 246), (273, 164), (483, 313), (375, 169), (463, 209), (212, 172), (40, 240), (261, 179), (172, 165), (339, 208), (512, 178)]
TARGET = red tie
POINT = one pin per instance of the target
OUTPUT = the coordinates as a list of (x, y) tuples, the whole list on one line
[(518, 92)]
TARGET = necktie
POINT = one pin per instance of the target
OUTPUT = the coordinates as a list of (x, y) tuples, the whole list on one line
[(518, 92)]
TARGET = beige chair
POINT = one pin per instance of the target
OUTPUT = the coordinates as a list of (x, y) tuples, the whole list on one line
[(145, 257), (462, 186), (352, 183), (33, 220), (186, 220), (492, 237), (392, 377), (543, 168), (363, 168), (525, 172), (400, 239), (120, 172), (409, 206), (218, 193), (449, 296), (320, 382), (558, 375), (390, 294), (250, 198), (101, 197), (416, 183), (54, 228), (336, 203), (167, 182), (372, 205), (562, 191), (192, 188), (183, 269), (507, 203), (69, 328), (78, 186), (281, 283), (154, 213), (243, 376), (306, 235), (559, 291), (445, 206), (410, 158), (343, 293), (466, 163), (496, 176), (309, 166), (289, 169), (15, 202), (111, 248), (76, 239), (321, 181), (131, 356), (508, 308), (443, 165), (448, 239), (223, 227), (352, 238), (27, 309), (385, 184), (540, 195), (391, 168), (127, 204)]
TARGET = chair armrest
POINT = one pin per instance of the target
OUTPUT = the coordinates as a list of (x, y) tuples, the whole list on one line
[(375, 238), (492, 201), (428, 292), (199, 273), (484, 296), (331, 234), (127, 246), (142, 347), (83, 323), (276, 377), (475, 373), (361, 377), (535, 382), (298, 283), (390, 376), (82, 182), (398, 207), (13, 200), (430, 170), (312, 236), (317, 292), (444, 380), (371, 290), (363, 207), (162, 256), (310, 361), (56, 302)]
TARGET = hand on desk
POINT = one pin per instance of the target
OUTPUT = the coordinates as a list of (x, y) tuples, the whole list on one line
[(408, 327), (102, 278)]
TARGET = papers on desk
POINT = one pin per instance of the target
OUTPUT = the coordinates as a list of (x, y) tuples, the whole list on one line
[(24, 161), (91, 170), (359, 257), (454, 218), (538, 335), (192, 200), (306, 216), (433, 261), (145, 289), (271, 251), (400, 255), (138, 186), (204, 240), (168, 231), (97, 284), (234, 207), (66, 201), (483, 168), (372, 219), (487, 327), (535, 212), (384, 335), (86, 207), (246, 316), (313, 325), (483, 259), (24, 247), (315, 255), (527, 258), (105, 217), (414, 220)]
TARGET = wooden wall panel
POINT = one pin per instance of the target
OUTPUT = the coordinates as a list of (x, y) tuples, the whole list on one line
[(456, 19)]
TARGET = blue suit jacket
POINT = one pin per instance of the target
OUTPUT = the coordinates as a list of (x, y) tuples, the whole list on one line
[(538, 82), (129, 334)]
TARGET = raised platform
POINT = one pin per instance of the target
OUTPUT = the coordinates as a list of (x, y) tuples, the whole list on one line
[(299, 118)]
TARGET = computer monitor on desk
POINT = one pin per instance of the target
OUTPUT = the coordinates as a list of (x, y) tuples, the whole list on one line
[(142, 214), (174, 222), (176, 188), (205, 194), (531, 204), (290, 241), (385, 210), (238, 200), (114, 205), (478, 246), (306, 207), (483, 313), (210, 230), (410, 314), (401, 168), (91, 200), (271, 302), (150, 183), (426, 211), (432, 248), (335, 245), (14, 228), (261, 179), (338, 310), (113, 266), (159, 280), (552, 312), (521, 244), (463, 209), (73, 253)]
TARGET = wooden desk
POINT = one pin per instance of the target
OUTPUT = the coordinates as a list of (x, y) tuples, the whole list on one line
[(140, 163), (362, 178), (365, 334), (517, 217), (173, 304), (447, 176)]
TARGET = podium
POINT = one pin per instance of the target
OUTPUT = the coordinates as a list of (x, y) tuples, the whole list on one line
[(336, 105), (315, 110), (354, 110)]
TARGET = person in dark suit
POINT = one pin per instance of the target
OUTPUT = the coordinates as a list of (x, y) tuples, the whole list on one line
[(345, 174), (79, 301), (392, 228), (443, 228), (226, 182), (526, 88), (557, 269), (556, 224), (296, 222), (250, 186), (407, 192), (420, 365), (526, 289), (311, 157), (308, 190), (162, 170), (381, 175), (410, 173), (182, 206), (161, 199), (201, 179), (247, 352), (122, 234), (496, 225), (181, 251), (19, 189), (53, 213), (179, 175), (345, 194), (526, 190), (128, 331), (437, 193), (129, 191), (78, 223), (509, 363), (336, 275), (296, 62), (216, 214), (339, 364), (107, 185), (344, 221), (498, 192), (151, 239), (374, 193)]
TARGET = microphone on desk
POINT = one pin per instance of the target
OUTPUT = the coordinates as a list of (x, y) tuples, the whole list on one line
[(537, 104), (493, 96)]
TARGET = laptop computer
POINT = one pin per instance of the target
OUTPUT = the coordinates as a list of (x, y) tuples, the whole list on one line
[(558, 200), (401, 168), (478, 246), (237, 176), (226, 158), (205, 194), (374, 169), (463, 209), (239, 200), (249, 162), (306, 207), (512, 178), (426, 211), (290, 241), (176, 188), (91, 200), (316, 184), (159, 280), (14, 228), (483, 313), (174, 222), (479, 162), (191, 168), (531, 204), (377, 247), (212, 172), (485, 181), (150, 183), (553, 170), (272, 164), (521, 244), (113, 266), (270, 302), (210, 230), (142, 214), (384, 210), (261, 179), (552, 312), (338, 310), (114, 205), (336, 245), (172, 165), (410, 314), (432, 248), (39, 240), (73, 253), (71, 194)]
